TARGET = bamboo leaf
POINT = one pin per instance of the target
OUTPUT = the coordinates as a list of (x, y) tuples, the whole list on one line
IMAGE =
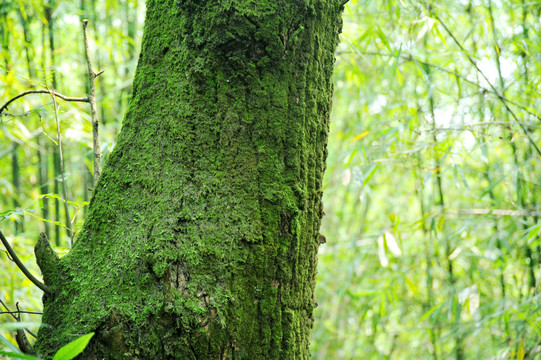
[(430, 312), (383, 38), (391, 243), (370, 174), (74, 348), (382, 253), (521, 352), (360, 136)]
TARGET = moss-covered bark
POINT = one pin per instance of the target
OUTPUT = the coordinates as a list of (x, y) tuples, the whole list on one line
[(202, 235)]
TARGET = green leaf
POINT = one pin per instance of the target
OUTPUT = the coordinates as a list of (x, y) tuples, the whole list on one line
[(429, 313), (383, 38), (441, 223), (370, 174), (412, 286), (382, 311), (438, 33), (459, 173), (74, 348), (532, 233), (351, 157), (6, 214), (397, 61)]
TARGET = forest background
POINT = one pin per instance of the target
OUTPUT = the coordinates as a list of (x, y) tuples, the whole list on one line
[(432, 186)]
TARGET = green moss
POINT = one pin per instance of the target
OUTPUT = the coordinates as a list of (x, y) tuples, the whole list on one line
[(201, 237)]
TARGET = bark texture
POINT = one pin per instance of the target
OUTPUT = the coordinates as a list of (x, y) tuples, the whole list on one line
[(201, 237)]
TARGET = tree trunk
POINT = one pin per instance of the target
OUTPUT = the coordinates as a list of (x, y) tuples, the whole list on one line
[(202, 234)]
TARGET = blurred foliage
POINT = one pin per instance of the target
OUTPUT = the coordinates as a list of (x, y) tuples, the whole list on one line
[(433, 180), (423, 150), (42, 47)]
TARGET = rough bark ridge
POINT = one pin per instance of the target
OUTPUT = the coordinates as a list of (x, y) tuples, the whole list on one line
[(202, 235)]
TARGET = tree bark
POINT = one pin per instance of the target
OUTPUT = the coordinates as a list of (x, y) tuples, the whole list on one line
[(202, 234)]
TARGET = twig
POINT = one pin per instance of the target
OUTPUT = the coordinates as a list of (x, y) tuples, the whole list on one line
[(409, 57), (466, 127), (21, 312), (92, 75), (63, 97), (498, 212), (8, 311), (18, 317), (343, 3), (21, 266), (500, 96)]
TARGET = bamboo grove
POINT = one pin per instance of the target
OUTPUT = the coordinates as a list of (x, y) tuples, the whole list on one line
[(433, 175)]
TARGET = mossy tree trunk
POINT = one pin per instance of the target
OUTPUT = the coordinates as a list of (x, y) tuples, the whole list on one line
[(202, 234)]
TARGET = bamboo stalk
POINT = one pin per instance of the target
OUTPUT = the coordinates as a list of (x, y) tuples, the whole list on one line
[(16, 181), (419, 190), (519, 192), (43, 156), (529, 151), (488, 177), (43, 178), (440, 202)]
